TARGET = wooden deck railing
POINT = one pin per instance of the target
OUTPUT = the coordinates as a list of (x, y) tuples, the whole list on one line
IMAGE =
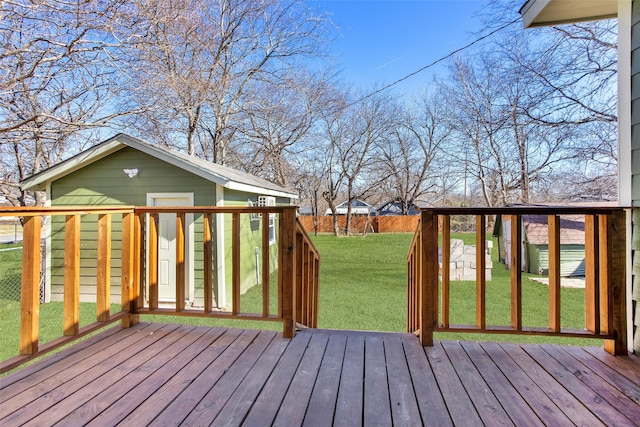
[(139, 243), (428, 308), (32, 234)]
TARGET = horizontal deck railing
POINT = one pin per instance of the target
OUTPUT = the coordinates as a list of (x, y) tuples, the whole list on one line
[(137, 243), (429, 278)]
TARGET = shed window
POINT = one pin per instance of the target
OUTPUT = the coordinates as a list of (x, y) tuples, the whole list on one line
[(269, 201)]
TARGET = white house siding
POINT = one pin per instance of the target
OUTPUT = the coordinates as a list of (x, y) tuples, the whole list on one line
[(635, 159)]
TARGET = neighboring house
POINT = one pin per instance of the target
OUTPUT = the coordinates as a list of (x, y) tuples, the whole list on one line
[(128, 171), (551, 12), (395, 208), (358, 207), (535, 244)]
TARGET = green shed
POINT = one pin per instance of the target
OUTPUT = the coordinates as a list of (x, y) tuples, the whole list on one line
[(125, 171), (535, 244)]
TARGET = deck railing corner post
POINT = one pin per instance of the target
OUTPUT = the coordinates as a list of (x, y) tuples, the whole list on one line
[(429, 280), (288, 277), (616, 282)]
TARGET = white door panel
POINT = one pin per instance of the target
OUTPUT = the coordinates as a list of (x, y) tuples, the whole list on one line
[(167, 245)]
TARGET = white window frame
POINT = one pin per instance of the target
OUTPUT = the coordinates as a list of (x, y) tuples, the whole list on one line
[(264, 201)]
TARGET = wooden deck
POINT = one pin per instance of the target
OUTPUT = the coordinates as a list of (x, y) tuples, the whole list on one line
[(159, 374)]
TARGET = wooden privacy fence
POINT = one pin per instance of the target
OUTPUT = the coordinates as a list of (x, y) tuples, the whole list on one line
[(136, 245), (428, 305), (363, 224)]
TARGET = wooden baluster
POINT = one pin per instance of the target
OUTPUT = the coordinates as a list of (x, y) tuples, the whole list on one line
[(287, 269), (429, 280), (554, 273), (72, 275), (516, 272), (153, 260), (316, 290), (30, 285), (180, 261), (410, 290), (299, 292), (592, 274), (208, 262), (103, 280), (139, 257), (235, 263), (306, 268), (481, 281), (266, 270), (446, 268), (128, 290)]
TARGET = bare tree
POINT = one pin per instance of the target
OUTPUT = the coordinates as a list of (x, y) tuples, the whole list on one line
[(371, 121), (276, 124), (566, 96), (197, 60), (333, 130), (408, 155), (57, 84)]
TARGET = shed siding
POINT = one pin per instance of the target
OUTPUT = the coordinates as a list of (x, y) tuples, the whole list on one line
[(105, 183), (250, 239), (635, 159)]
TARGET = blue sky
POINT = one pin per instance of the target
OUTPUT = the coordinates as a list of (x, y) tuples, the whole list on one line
[(381, 41)]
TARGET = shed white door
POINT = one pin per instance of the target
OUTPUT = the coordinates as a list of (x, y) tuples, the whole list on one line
[(167, 245)]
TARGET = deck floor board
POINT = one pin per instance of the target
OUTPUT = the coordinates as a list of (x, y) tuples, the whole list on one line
[(156, 374)]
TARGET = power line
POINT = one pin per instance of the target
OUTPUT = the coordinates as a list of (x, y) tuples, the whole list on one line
[(437, 61)]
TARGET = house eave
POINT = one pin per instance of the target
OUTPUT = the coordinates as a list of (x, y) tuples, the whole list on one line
[(538, 13)]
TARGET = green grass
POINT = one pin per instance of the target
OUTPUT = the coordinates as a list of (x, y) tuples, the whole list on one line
[(51, 318), (10, 271), (362, 287)]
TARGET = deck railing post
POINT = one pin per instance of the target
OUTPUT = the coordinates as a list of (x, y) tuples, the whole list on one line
[(129, 271), (103, 283), (516, 272), (481, 280), (30, 294), (72, 275), (554, 273), (180, 260), (208, 261), (429, 280), (299, 303), (613, 281), (153, 224), (288, 268), (592, 274)]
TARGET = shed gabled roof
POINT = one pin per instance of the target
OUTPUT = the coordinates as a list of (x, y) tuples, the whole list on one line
[(227, 177), (537, 229)]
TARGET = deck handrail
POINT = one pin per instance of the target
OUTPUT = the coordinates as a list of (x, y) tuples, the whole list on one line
[(605, 254), (298, 269)]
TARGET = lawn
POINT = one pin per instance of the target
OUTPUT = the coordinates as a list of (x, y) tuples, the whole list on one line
[(362, 287)]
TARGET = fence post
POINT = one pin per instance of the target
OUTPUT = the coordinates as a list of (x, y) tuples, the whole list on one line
[(30, 293), (429, 282), (288, 267)]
